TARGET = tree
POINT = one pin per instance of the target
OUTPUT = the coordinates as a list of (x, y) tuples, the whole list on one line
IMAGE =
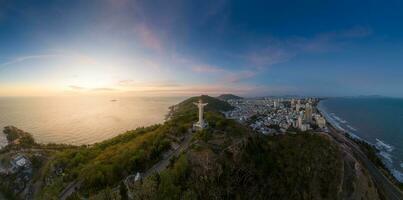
[(123, 191)]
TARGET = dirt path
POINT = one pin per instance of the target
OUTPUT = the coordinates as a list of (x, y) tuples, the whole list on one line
[(70, 189), (163, 164), (156, 168)]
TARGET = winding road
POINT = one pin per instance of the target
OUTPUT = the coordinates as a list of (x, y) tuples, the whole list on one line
[(390, 190), (156, 168)]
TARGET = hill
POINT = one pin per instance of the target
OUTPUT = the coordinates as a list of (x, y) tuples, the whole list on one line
[(105, 164), (225, 97), (224, 161), (303, 166), (214, 104)]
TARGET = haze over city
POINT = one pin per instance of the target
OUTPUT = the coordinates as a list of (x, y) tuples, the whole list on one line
[(251, 48)]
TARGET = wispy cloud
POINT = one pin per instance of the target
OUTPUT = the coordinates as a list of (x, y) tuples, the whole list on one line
[(236, 77), (206, 69), (77, 57), (104, 89), (148, 37), (226, 76), (274, 51), (269, 56), (149, 84), (30, 57), (75, 87), (192, 90)]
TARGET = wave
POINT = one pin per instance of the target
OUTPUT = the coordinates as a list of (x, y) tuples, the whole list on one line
[(398, 175), (382, 146), (330, 119), (386, 156), (337, 123), (338, 118), (351, 128)]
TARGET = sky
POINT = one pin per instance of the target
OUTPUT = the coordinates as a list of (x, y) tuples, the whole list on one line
[(250, 48)]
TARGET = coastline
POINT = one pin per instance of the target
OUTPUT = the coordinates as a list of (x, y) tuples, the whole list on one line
[(334, 124)]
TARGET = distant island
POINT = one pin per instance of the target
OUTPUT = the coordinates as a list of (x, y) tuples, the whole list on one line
[(234, 157)]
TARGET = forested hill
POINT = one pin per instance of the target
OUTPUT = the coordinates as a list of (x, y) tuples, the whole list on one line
[(225, 97), (224, 161), (213, 104), (104, 165)]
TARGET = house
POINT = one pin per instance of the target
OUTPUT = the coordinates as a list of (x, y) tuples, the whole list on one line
[(20, 161)]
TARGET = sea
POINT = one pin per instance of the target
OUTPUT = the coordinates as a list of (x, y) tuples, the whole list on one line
[(376, 120), (81, 119)]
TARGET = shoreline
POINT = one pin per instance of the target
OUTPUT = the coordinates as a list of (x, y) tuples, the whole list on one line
[(335, 125)]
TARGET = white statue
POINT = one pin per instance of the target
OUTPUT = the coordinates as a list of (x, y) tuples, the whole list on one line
[(200, 124)]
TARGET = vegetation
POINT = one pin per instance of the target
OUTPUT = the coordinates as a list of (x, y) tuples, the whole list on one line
[(372, 153), (302, 166), (105, 164), (18, 138), (225, 161), (225, 97)]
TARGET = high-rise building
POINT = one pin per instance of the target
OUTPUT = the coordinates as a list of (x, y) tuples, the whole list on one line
[(308, 112), (321, 122), (300, 119), (275, 103), (298, 106)]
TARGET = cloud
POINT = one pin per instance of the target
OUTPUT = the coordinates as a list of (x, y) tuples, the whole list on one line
[(236, 77), (354, 32), (77, 57), (148, 37), (31, 57), (75, 87), (226, 76), (206, 69), (274, 51), (188, 90), (269, 56), (150, 84), (103, 89)]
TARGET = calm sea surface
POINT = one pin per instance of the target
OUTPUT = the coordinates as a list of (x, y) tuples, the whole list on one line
[(81, 120), (376, 120)]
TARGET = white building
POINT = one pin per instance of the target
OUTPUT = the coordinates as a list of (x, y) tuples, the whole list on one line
[(298, 106), (321, 122), (308, 112)]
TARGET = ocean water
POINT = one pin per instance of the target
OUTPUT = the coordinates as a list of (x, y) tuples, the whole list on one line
[(378, 121), (81, 120)]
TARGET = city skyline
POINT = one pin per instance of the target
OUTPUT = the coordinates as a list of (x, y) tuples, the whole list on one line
[(122, 47)]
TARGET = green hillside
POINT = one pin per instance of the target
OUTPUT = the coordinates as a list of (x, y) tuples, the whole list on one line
[(105, 164), (214, 104), (303, 166), (225, 97), (225, 161)]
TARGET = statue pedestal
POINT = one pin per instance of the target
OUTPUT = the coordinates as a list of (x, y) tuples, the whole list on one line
[(198, 126)]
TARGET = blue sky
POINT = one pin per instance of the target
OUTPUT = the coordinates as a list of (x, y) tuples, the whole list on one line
[(253, 48)]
